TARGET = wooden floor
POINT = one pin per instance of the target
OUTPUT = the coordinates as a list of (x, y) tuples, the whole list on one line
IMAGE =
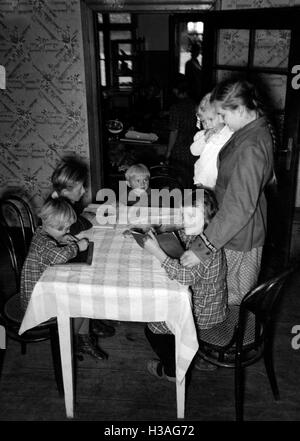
[(120, 389)]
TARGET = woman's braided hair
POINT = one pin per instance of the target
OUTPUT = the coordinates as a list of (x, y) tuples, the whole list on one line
[(233, 93)]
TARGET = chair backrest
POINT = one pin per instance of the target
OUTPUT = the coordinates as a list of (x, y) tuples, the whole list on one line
[(262, 302), (8, 251), (163, 170), (16, 215), (164, 181)]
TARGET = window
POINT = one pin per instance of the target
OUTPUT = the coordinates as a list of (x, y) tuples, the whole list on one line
[(190, 33), (116, 34)]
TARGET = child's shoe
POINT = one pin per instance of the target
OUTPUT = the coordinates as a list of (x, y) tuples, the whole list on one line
[(101, 329), (85, 344), (156, 369), (203, 365)]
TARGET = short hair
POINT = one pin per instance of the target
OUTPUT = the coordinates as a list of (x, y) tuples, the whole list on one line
[(204, 196), (57, 213), (137, 169), (68, 173)]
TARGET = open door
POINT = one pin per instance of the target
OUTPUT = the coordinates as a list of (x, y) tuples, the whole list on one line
[(261, 45)]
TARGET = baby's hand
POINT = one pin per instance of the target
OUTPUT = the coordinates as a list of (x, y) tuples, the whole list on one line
[(83, 244), (208, 134)]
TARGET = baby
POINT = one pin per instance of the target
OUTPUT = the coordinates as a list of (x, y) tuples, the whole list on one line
[(138, 190), (208, 143)]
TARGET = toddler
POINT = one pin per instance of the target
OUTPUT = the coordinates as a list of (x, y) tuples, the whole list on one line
[(137, 190), (49, 247), (207, 143)]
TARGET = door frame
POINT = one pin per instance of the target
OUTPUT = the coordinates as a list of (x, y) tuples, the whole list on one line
[(262, 18), (279, 18), (92, 74)]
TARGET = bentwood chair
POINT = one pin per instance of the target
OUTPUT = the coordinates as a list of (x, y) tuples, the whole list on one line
[(11, 314), (165, 176), (247, 335), (17, 216)]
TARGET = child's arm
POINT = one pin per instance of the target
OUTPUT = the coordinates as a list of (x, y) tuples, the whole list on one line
[(173, 268), (152, 246), (55, 254), (184, 275)]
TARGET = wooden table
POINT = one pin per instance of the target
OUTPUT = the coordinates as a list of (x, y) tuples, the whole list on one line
[(123, 283)]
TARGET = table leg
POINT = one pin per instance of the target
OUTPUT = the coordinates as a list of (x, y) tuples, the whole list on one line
[(65, 343), (2, 337), (180, 387), (180, 397)]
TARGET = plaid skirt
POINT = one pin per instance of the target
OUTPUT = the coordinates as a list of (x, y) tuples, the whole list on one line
[(242, 273)]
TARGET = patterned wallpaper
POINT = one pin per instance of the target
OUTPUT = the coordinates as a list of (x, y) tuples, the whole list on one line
[(43, 108)]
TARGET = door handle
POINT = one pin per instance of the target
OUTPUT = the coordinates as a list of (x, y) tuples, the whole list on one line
[(288, 152)]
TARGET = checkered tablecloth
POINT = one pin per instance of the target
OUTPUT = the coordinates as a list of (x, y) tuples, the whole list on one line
[(124, 282)]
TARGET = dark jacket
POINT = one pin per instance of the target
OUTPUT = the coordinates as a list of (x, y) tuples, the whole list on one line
[(245, 167)]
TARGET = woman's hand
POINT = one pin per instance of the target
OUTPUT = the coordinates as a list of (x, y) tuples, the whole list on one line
[(83, 244), (189, 259)]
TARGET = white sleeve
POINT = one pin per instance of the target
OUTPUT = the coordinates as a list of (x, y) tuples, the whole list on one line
[(199, 143)]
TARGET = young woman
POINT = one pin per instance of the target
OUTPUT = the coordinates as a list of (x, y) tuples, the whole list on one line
[(245, 168)]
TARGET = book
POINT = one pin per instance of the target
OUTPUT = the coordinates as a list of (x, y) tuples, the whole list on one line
[(168, 241), (84, 257)]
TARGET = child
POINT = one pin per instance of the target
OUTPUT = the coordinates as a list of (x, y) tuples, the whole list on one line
[(245, 169), (207, 281), (49, 247), (207, 143), (137, 190), (69, 180)]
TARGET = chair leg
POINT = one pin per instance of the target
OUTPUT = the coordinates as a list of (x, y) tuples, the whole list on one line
[(268, 359), (239, 391), (55, 350)]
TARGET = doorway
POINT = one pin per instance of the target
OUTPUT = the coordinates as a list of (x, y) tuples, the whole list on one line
[(257, 44)]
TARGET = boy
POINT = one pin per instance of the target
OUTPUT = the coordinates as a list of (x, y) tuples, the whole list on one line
[(137, 190), (207, 281), (51, 245)]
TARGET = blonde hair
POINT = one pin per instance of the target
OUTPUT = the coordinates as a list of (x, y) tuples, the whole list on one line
[(57, 213), (205, 103), (137, 169)]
